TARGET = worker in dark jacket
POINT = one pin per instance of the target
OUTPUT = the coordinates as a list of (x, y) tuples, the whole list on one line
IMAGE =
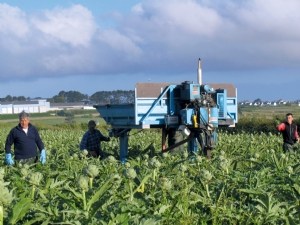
[(289, 132), (26, 140), (91, 140)]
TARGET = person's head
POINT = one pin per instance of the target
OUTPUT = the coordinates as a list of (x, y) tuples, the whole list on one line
[(289, 118), (24, 119), (91, 125)]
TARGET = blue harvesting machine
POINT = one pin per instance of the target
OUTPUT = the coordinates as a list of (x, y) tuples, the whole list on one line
[(194, 109)]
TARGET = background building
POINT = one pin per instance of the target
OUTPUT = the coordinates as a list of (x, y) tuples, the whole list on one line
[(34, 106)]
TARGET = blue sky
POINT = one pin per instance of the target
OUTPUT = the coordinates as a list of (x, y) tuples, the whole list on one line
[(90, 46)]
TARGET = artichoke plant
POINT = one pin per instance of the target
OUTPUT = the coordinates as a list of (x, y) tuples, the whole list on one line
[(35, 180), (6, 197), (83, 183), (91, 171)]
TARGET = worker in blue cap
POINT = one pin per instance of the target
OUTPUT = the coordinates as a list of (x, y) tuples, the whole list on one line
[(26, 140)]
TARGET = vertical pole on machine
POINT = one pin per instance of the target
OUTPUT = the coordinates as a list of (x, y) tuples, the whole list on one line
[(171, 101), (199, 72), (208, 144), (192, 145), (123, 146), (163, 139)]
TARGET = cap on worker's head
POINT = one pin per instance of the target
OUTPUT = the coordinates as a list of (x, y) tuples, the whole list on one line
[(92, 123)]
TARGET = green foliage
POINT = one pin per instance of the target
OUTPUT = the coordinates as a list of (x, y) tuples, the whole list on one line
[(256, 124), (10, 98), (69, 96), (15, 116), (113, 97), (249, 180), (100, 97), (20, 209)]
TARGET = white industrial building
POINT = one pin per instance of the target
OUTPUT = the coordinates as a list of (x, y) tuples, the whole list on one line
[(33, 106)]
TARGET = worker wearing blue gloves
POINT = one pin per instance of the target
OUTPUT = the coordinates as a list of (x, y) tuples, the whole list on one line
[(26, 141)]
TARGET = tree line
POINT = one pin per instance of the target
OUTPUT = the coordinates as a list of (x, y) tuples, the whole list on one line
[(100, 97)]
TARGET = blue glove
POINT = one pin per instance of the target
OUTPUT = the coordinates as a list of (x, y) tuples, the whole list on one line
[(43, 156), (8, 159)]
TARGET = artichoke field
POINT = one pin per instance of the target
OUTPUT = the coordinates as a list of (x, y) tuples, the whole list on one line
[(249, 180)]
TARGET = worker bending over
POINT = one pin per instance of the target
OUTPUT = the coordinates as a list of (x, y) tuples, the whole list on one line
[(91, 140)]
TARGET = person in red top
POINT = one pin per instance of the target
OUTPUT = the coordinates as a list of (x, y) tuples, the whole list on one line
[(289, 132)]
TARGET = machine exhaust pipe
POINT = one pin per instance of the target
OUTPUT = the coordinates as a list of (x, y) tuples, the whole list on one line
[(199, 72)]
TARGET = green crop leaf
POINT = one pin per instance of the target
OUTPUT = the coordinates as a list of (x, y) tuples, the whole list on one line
[(249, 191), (142, 184), (20, 209), (42, 220), (296, 187), (99, 193), (75, 193), (55, 183)]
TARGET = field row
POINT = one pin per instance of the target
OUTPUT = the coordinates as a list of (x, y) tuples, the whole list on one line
[(248, 181)]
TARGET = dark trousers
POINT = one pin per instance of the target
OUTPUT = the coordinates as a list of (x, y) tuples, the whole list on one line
[(95, 154), (28, 161)]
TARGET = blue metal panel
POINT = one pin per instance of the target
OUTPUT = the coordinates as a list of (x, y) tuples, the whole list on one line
[(232, 109), (123, 147), (157, 115), (193, 146), (213, 117), (214, 137), (186, 116), (171, 120), (221, 101), (171, 100), (116, 115), (146, 118), (203, 116), (190, 91), (227, 107)]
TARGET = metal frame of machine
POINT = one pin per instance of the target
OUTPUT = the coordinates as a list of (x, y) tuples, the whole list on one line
[(195, 109)]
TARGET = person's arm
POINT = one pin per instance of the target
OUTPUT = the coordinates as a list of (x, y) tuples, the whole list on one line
[(83, 143), (39, 143), (9, 142), (38, 140), (296, 134), (106, 138), (102, 137), (281, 127)]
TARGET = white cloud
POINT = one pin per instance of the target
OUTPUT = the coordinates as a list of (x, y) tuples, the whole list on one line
[(12, 22), (187, 16), (74, 26), (231, 34), (272, 17), (119, 42), (155, 36)]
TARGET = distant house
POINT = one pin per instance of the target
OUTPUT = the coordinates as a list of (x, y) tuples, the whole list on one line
[(32, 106), (69, 106), (281, 102)]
